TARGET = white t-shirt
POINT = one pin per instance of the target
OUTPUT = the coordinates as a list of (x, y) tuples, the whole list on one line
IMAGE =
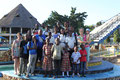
[(45, 33), (52, 40), (57, 49), (70, 41), (75, 57), (62, 40), (55, 35)]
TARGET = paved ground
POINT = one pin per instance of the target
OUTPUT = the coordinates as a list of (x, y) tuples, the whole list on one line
[(116, 60), (114, 73)]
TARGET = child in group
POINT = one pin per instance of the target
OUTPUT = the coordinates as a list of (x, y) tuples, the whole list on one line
[(83, 59), (62, 38), (23, 56), (75, 61), (47, 61), (55, 34), (56, 56), (51, 38), (65, 62), (32, 56)]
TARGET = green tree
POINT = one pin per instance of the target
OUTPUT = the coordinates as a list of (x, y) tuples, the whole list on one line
[(75, 19), (116, 36), (91, 27), (98, 23), (107, 40)]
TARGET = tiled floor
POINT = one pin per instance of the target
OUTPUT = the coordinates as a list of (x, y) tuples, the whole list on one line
[(114, 73)]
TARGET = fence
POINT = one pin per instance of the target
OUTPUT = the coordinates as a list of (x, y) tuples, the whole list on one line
[(108, 51), (5, 46)]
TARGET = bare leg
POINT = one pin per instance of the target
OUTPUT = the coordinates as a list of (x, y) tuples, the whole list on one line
[(18, 65), (15, 66)]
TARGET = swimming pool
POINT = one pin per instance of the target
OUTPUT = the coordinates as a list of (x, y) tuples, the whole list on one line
[(6, 67), (4, 48)]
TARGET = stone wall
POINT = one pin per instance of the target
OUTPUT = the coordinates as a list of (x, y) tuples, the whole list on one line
[(112, 59), (6, 77), (5, 56)]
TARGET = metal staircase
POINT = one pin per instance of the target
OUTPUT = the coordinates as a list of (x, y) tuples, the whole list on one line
[(99, 34)]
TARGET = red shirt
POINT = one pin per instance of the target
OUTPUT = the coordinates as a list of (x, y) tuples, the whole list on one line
[(83, 58), (35, 33)]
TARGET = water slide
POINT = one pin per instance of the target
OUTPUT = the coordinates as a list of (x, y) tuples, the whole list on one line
[(100, 33)]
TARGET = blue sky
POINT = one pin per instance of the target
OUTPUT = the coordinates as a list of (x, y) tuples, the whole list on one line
[(97, 10)]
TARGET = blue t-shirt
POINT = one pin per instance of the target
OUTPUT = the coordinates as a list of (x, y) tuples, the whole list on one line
[(55, 35), (40, 40), (25, 49), (33, 51)]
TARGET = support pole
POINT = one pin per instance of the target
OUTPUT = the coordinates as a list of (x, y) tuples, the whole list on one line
[(10, 36), (0, 33)]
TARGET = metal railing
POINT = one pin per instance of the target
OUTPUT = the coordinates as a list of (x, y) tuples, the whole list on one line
[(109, 51)]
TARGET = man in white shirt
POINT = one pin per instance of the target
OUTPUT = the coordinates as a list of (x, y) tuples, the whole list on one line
[(70, 40), (74, 34)]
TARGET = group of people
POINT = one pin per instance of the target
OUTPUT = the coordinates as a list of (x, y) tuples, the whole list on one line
[(61, 50)]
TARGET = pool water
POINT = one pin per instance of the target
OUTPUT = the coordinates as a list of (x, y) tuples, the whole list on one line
[(4, 48), (6, 67)]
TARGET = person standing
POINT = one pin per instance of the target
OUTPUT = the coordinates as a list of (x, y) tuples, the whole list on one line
[(66, 27), (16, 52), (81, 38), (40, 38), (51, 38), (55, 34), (87, 46), (46, 31), (56, 56), (70, 40), (47, 61), (59, 27), (74, 34), (62, 38), (66, 67), (29, 35), (76, 61), (23, 56), (83, 59), (32, 46)]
